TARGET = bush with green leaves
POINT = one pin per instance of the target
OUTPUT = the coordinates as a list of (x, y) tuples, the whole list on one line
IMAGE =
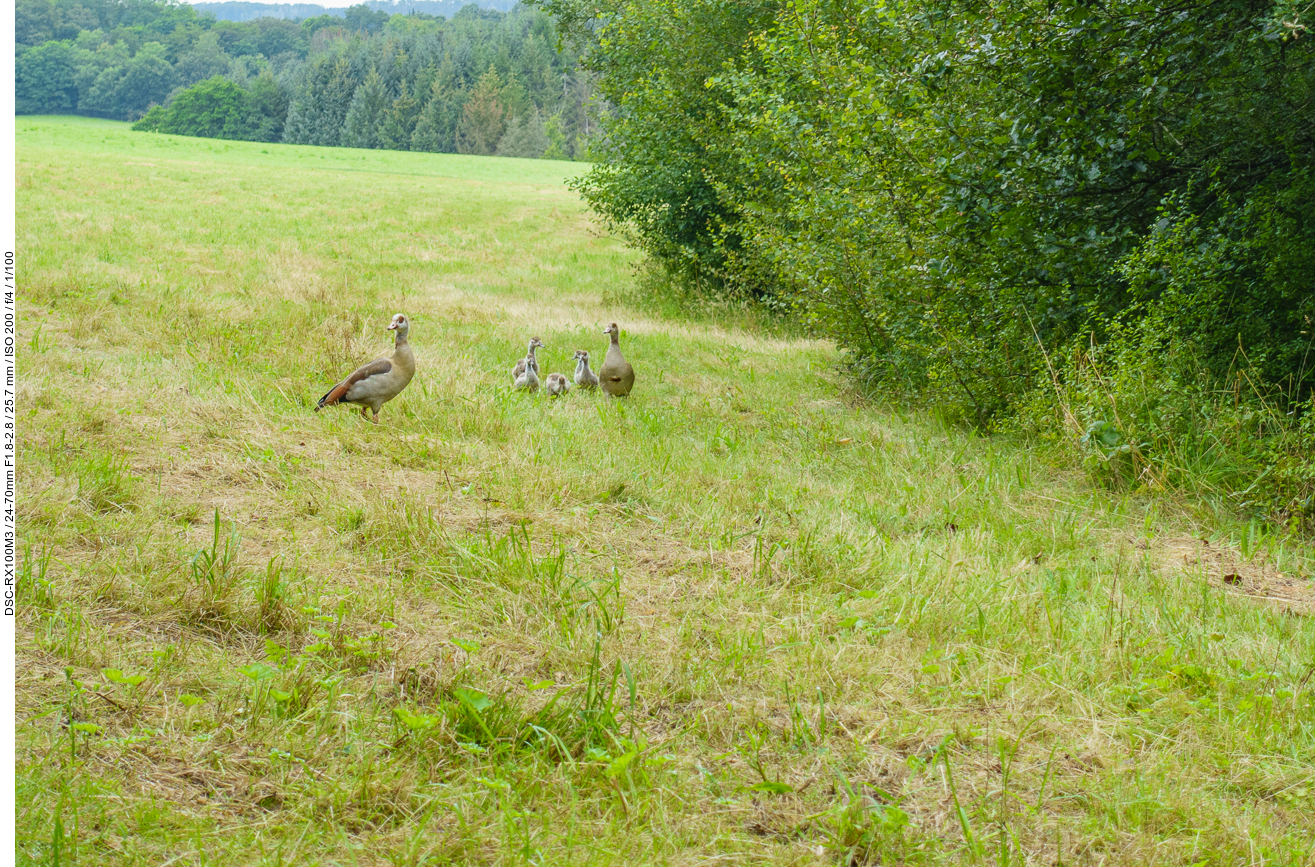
[(218, 108), (662, 151), (1286, 486), (967, 198)]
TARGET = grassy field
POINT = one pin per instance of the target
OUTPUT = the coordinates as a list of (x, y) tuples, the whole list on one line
[(743, 617)]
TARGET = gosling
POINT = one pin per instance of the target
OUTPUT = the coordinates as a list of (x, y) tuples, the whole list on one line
[(584, 377), (525, 375), (556, 384)]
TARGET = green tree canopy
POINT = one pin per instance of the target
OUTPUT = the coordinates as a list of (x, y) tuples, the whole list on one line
[(44, 79), (216, 108), (956, 191), (484, 118), (366, 112), (526, 136)]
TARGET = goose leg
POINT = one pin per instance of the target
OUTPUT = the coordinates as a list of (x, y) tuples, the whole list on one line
[(365, 413)]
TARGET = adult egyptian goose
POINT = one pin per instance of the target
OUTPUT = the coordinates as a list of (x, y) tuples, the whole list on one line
[(616, 375), (584, 377), (373, 385), (556, 384), (519, 379)]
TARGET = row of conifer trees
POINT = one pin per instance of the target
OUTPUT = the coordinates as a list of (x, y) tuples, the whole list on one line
[(482, 81)]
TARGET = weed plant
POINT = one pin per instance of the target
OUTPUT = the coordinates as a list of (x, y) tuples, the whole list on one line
[(1143, 412)]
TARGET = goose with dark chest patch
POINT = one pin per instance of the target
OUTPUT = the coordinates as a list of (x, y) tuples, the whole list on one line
[(372, 385), (616, 376)]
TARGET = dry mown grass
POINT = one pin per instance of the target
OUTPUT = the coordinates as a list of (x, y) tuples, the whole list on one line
[(743, 617)]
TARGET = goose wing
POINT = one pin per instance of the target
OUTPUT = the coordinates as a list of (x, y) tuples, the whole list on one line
[(360, 382)]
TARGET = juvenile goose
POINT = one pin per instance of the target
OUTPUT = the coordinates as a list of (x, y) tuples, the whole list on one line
[(526, 372), (584, 377), (616, 375), (556, 384), (527, 363), (373, 385)]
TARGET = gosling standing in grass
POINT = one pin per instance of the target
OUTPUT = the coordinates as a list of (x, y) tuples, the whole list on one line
[(584, 377), (373, 385), (526, 372), (616, 376), (555, 384)]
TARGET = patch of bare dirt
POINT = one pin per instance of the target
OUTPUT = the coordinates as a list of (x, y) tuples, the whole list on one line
[(1225, 567)]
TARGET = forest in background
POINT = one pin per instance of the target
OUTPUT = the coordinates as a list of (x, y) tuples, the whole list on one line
[(1091, 223), (480, 82), (242, 10)]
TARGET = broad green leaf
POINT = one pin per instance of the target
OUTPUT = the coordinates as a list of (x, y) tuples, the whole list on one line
[(258, 671), (472, 698)]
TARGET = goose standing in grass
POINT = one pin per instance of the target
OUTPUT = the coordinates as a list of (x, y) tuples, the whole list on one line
[(584, 377), (556, 384), (616, 375), (373, 385), (526, 372)]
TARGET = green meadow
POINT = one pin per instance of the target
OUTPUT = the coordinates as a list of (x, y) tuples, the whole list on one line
[(745, 616)]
